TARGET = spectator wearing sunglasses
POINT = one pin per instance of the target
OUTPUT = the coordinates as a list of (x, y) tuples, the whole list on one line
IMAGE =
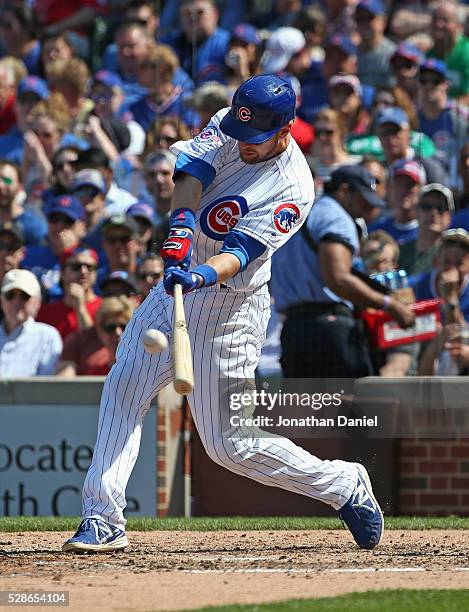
[(12, 248), (149, 273), (145, 216), (77, 309), (120, 283), (90, 189), (120, 242), (404, 64), (434, 210), (91, 352), (27, 348), (63, 173), (65, 228), (163, 133), (440, 118)]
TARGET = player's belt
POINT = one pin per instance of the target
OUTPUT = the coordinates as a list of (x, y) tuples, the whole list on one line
[(318, 308)]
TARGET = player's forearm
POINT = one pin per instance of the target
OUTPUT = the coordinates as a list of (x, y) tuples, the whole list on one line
[(226, 265), (187, 193)]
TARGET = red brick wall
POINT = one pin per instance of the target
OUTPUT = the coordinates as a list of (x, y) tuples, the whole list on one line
[(434, 477)]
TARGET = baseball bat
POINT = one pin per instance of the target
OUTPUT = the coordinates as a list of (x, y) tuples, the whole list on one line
[(183, 372)]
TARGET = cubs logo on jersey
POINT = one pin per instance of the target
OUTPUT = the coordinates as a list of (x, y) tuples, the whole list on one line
[(285, 216), (209, 134), (222, 215)]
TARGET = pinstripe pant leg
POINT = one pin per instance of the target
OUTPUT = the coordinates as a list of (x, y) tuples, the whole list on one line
[(130, 385), (227, 331)]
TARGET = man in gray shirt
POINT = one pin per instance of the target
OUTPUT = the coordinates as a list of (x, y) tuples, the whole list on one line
[(374, 49)]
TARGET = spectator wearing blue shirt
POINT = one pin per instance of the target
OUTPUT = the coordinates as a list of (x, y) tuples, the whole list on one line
[(406, 178), (30, 91), (393, 129), (65, 228), (449, 278), (320, 337), (200, 45), (439, 118), (156, 75), (32, 225)]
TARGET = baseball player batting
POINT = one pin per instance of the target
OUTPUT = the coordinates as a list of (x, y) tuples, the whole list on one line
[(242, 188)]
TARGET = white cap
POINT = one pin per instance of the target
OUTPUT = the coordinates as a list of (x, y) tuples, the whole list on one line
[(280, 48), (24, 280)]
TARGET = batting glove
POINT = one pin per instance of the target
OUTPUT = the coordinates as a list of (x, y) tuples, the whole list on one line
[(177, 248), (201, 276)]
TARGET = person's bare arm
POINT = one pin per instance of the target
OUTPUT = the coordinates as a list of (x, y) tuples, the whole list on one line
[(83, 18), (225, 264), (187, 193), (335, 260), (397, 364), (66, 369)]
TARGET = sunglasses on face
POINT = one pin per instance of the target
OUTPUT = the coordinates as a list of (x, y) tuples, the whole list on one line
[(76, 266), (29, 99), (86, 193), (9, 247), (11, 295), (428, 206), (323, 131), (60, 218), (403, 64), (111, 328), (391, 130), (167, 139), (428, 80), (364, 17), (63, 164), (118, 239), (151, 276)]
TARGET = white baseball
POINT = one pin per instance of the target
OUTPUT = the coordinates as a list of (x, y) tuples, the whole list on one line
[(154, 341)]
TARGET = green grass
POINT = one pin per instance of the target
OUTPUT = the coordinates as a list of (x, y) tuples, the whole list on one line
[(371, 601), (51, 523)]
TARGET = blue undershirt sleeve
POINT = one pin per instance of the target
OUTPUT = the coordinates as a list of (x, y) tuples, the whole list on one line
[(195, 167), (245, 248)]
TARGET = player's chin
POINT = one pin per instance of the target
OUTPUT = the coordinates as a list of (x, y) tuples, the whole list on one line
[(249, 157)]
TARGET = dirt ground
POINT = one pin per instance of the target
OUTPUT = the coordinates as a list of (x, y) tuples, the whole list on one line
[(173, 570)]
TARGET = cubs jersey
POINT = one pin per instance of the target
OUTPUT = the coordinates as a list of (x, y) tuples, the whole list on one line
[(267, 201)]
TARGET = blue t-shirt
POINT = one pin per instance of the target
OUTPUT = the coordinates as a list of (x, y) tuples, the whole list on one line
[(292, 282), (401, 232), (41, 260), (145, 111), (11, 145), (461, 219), (424, 286), (209, 61)]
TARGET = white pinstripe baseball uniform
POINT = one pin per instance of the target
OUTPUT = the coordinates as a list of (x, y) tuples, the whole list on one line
[(268, 201)]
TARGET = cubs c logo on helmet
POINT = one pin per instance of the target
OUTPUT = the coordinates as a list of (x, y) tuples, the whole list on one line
[(285, 216), (222, 215), (244, 113)]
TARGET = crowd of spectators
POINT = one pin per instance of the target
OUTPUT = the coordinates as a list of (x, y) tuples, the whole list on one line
[(93, 93)]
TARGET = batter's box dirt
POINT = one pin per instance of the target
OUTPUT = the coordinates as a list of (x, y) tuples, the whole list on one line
[(186, 569)]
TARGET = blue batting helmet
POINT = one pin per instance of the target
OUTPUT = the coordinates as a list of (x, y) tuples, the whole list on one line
[(261, 106)]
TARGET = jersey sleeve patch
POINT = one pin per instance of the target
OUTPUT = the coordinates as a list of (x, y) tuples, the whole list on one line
[(285, 216)]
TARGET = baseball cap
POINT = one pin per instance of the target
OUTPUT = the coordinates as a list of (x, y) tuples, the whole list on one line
[(375, 7), (107, 78), (67, 205), (123, 276), (280, 48), (445, 191), (142, 209), (14, 230), (342, 42), (408, 51), (247, 33), (35, 85), (394, 115), (456, 236), (89, 177), (125, 221), (347, 79), (210, 95), (261, 106), (410, 168), (433, 65), (360, 179), (293, 81), (24, 280), (78, 250)]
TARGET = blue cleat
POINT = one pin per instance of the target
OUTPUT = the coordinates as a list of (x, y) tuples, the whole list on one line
[(95, 535), (362, 513)]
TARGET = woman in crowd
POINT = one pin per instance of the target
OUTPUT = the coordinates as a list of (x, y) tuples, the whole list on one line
[(164, 132), (91, 352)]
